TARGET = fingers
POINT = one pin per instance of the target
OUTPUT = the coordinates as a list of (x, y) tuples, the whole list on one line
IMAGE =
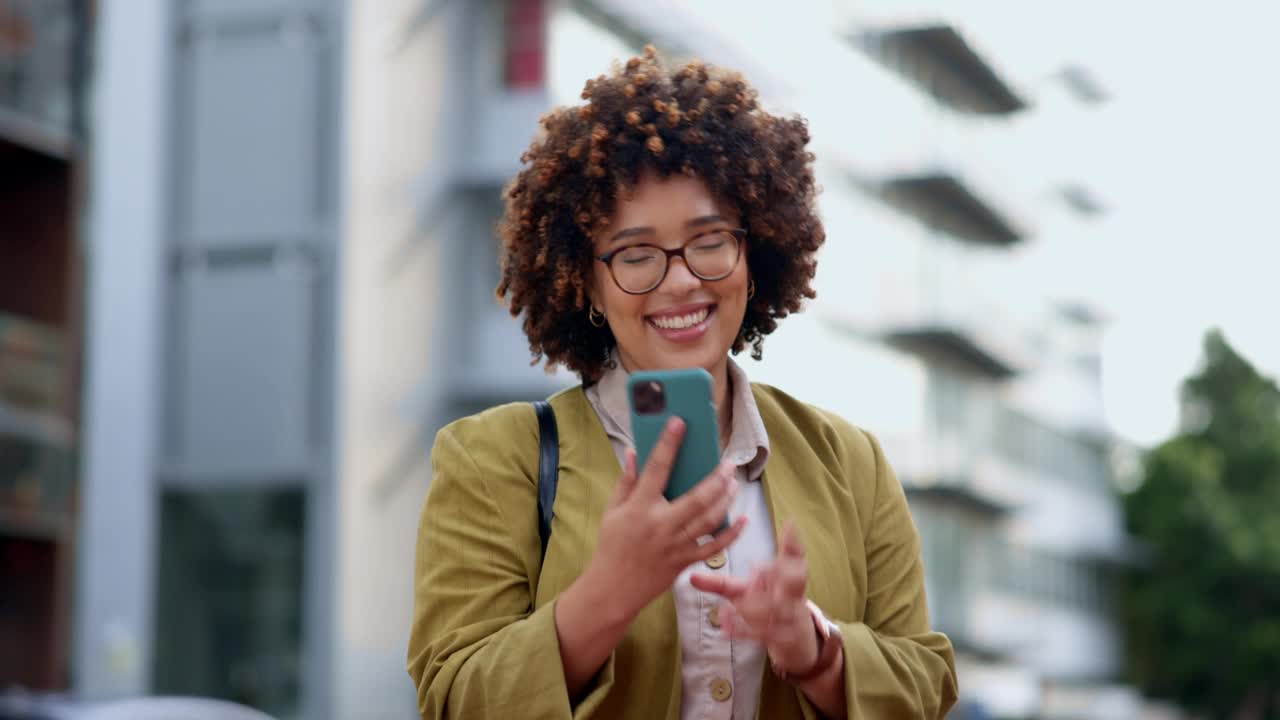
[(791, 579), (627, 482), (736, 626), (767, 606), (705, 507), (792, 569), (726, 586), (698, 553), (657, 468), (687, 508), (791, 545)]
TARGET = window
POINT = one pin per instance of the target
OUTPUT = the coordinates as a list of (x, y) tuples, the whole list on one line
[(1073, 583), (948, 541), (949, 397), (229, 602), (1058, 454)]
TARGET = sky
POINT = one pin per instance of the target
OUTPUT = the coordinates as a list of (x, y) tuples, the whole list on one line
[(1182, 154), (1185, 154)]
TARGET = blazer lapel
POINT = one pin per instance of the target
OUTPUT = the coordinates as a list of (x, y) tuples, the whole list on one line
[(798, 487), (589, 471)]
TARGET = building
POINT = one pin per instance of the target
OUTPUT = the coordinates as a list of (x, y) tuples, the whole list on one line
[(43, 50), (933, 330), (289, 272), (283, 196)]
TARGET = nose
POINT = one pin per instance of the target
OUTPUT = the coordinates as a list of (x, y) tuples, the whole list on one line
[(679, 279)]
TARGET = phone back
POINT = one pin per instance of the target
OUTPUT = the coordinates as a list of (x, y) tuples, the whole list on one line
[(654, 396)]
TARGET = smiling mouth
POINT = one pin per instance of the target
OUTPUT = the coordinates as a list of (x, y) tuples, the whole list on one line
[(682, 322)]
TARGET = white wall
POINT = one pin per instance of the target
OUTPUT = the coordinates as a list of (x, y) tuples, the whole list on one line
[(388, 301), (118, 519)]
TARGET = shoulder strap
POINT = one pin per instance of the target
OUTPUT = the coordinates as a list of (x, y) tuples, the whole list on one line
[(548, 468)]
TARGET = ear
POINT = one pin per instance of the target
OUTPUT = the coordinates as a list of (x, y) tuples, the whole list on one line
[(595, 290)]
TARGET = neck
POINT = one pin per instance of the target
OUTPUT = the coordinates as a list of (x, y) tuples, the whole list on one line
[(721, 395)]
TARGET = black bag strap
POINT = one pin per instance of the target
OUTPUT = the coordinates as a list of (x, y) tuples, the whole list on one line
[(548, 468)]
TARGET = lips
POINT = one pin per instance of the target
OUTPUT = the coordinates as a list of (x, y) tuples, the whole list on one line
[(682, 324)]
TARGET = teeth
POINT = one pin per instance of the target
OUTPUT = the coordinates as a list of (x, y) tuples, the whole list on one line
[(680, 322)]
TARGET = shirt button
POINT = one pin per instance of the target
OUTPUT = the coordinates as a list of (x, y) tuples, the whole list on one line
[(717, 561), (713, 617), (721, 690)]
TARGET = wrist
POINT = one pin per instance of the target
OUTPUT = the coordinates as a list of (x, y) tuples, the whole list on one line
[(829, 653), (831, 676), (596, 592)]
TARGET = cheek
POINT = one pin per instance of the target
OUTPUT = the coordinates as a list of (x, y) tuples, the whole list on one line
[(595, 285), (627, 308), (741, 278), (607, 296)]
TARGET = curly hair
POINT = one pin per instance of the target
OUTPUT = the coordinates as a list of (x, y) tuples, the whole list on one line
[(701, 121)]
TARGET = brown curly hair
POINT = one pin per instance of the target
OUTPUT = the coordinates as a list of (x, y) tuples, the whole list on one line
[(700, 121)]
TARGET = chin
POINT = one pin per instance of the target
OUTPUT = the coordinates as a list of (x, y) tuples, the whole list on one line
[(706, 357)]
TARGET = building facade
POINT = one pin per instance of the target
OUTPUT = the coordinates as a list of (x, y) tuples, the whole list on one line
[(289, 290)]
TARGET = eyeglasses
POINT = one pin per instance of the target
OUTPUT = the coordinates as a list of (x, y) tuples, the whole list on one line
[(639, 269)]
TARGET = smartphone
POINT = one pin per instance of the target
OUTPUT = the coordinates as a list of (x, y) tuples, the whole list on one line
[(657, 395)]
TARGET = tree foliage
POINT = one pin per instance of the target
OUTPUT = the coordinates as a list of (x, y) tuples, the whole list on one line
[(1203, 614)]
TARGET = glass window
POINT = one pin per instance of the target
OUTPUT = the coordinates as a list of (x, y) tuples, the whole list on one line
[(229, 606)]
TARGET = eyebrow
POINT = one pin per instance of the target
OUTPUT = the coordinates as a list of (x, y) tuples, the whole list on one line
[(646, 230)]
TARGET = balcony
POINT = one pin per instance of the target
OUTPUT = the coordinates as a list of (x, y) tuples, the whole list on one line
[(37, 443), (944, 202), (950, 338), (938, 59), (943, 470), (33, 364), (40, 48), (934, 340), (936, 315)]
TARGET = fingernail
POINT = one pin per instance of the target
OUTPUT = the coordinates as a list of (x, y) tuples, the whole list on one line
[(673, 423)]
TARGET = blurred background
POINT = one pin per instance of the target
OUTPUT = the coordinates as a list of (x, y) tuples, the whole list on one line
[(247, 259)]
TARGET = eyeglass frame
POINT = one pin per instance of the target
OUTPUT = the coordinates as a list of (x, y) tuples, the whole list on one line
[(738, 234)]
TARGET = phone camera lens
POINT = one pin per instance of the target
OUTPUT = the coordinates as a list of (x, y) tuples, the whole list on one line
[(649, 397)]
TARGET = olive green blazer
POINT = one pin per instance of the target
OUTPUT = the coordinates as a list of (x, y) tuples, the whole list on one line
[(483, 642)]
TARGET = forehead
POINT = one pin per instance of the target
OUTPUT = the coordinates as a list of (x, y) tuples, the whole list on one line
[(664, 203)]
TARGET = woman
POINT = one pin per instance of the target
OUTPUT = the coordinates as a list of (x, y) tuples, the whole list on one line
[(666, 223)]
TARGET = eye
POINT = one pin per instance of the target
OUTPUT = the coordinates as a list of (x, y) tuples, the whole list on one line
[(711, 241), (635, 256)]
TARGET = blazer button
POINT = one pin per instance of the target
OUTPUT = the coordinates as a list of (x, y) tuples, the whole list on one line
[(713, 617), (721, 690), (717, 561)]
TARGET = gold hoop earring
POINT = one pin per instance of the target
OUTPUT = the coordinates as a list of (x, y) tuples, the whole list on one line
[(751, 288), (592, 316)]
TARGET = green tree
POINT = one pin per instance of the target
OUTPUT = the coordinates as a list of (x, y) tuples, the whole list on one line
[(1203, 614)]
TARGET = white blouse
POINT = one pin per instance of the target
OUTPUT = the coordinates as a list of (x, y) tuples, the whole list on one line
[(720, 677)]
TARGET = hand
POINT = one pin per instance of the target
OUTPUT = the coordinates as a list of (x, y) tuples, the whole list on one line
[(769, 606), (645, 542)]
